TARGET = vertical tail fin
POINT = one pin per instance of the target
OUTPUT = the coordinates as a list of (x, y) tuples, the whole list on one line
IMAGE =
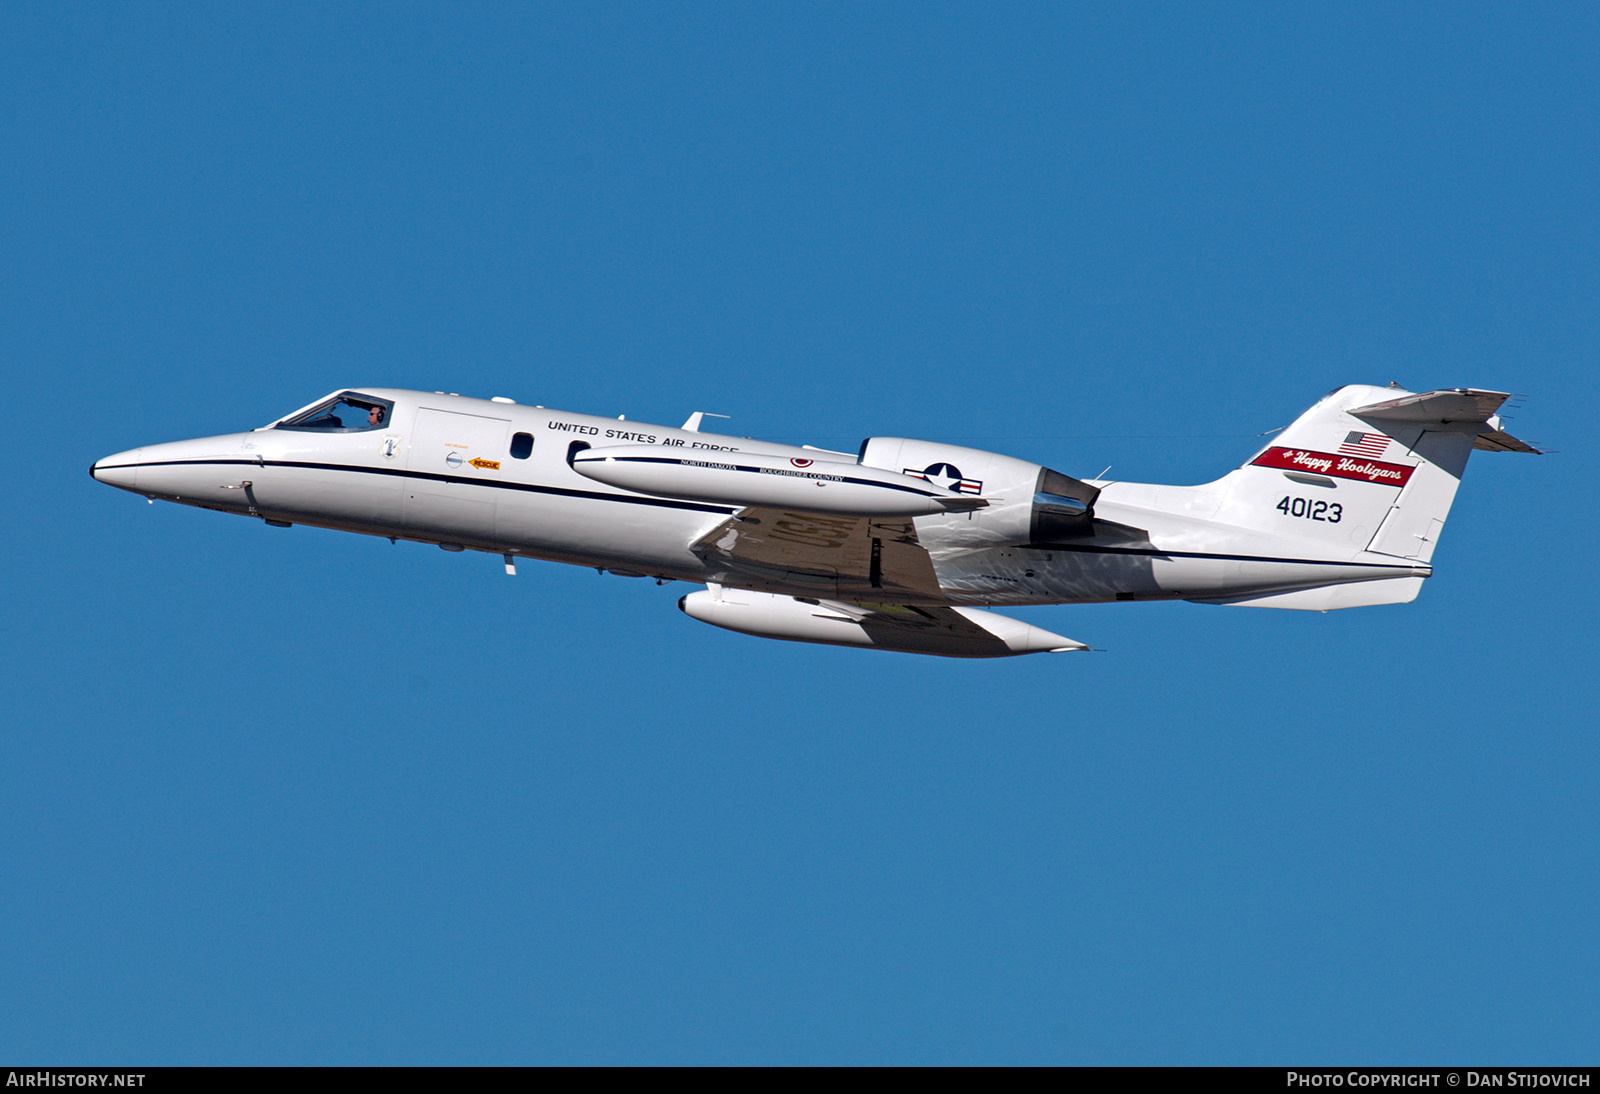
[(1367, 468)]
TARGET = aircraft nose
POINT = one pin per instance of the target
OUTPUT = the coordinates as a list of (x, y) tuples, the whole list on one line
[(119, 470)]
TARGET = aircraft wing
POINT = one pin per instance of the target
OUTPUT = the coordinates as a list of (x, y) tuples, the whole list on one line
[(872, 558)]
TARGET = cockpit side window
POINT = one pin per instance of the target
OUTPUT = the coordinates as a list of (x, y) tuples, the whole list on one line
[(347, 413)]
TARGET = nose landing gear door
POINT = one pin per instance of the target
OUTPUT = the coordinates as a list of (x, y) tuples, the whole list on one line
[(455, 460)]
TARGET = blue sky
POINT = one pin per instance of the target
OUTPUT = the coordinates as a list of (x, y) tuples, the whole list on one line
[(551, 819)]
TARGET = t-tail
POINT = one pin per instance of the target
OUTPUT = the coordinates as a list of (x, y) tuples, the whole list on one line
[(1367, 473)]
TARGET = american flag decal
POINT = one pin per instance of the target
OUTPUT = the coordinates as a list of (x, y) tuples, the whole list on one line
[(1367, 445)]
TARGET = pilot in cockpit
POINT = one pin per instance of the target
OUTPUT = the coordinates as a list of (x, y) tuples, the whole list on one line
[(342, 414)]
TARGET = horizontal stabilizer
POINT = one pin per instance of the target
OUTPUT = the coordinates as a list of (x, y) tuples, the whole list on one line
[(1458, 407), (1498, 440)]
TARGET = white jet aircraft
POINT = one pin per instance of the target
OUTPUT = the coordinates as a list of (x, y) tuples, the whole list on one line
[(893, 548)]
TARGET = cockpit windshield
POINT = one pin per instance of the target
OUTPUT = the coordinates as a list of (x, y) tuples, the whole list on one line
[(347, 413)]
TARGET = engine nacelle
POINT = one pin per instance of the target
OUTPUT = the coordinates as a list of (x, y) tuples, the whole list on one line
[(1028, 503)]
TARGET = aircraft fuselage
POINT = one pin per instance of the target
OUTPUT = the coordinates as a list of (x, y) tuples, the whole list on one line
[(498, 477)]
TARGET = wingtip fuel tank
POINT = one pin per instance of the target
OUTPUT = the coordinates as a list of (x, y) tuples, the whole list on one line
[(742, 478), (964, 632)]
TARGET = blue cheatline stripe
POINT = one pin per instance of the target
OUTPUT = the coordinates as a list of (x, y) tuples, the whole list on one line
[(527, 488), (664, 503), (1155, 552)]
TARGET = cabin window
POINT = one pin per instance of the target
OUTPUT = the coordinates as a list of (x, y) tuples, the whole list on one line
[(347, 413), (521, 446)]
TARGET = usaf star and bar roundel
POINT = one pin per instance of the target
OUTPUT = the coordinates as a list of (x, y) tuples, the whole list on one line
[(946, 475)]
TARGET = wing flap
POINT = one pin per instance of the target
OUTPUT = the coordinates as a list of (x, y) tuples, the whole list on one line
[(826, 553)]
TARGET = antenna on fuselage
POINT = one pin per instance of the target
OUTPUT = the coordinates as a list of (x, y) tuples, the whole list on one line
[(693, 424)]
